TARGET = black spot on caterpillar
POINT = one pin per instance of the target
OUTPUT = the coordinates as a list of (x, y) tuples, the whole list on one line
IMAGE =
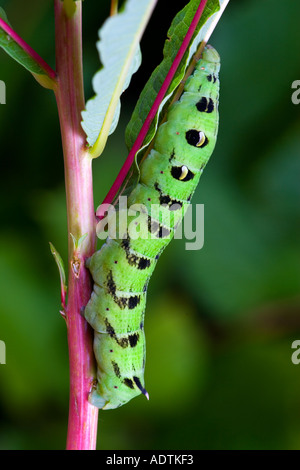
[(211, 78), (116, 369), (157, 229), (205, 105), (140, 262), (133, 339), (131, 302), (164, 199), (128, 383)]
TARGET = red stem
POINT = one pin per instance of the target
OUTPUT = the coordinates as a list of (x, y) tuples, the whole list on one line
[(31, 52), (82, 429), (143, 132)]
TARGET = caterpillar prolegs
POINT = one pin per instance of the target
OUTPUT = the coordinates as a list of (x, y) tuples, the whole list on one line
[(122, 268)]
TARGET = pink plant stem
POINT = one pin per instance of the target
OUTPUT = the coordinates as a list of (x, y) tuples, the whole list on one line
[(38, 59), (82, 428), (142, 134)]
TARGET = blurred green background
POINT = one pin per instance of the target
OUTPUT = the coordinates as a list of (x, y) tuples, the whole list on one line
[(220, 322)]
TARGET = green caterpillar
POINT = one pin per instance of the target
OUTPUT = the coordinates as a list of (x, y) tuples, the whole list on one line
[(121, 269)]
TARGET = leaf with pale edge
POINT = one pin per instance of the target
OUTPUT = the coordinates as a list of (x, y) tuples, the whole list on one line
[(120, 55)]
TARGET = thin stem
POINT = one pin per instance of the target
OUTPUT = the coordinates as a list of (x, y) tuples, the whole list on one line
[(113, 7), (31, 52), (82, 429), (143, 132)]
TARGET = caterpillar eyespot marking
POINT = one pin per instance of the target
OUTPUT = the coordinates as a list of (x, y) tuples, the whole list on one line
[(196, 138), (121, 269), (182, 175)]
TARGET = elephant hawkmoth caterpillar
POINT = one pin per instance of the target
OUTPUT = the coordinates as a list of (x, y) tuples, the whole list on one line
[(122, 267)]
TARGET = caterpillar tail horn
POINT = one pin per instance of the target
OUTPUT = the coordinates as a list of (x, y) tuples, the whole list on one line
[(142, 389)]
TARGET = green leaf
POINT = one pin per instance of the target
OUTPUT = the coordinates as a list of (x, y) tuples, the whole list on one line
[(120, 55), (61, 269), (175, 35), (78, 241), (15, 50)]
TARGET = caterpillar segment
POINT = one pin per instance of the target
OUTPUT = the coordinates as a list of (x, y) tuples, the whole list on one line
[(121, 269)]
